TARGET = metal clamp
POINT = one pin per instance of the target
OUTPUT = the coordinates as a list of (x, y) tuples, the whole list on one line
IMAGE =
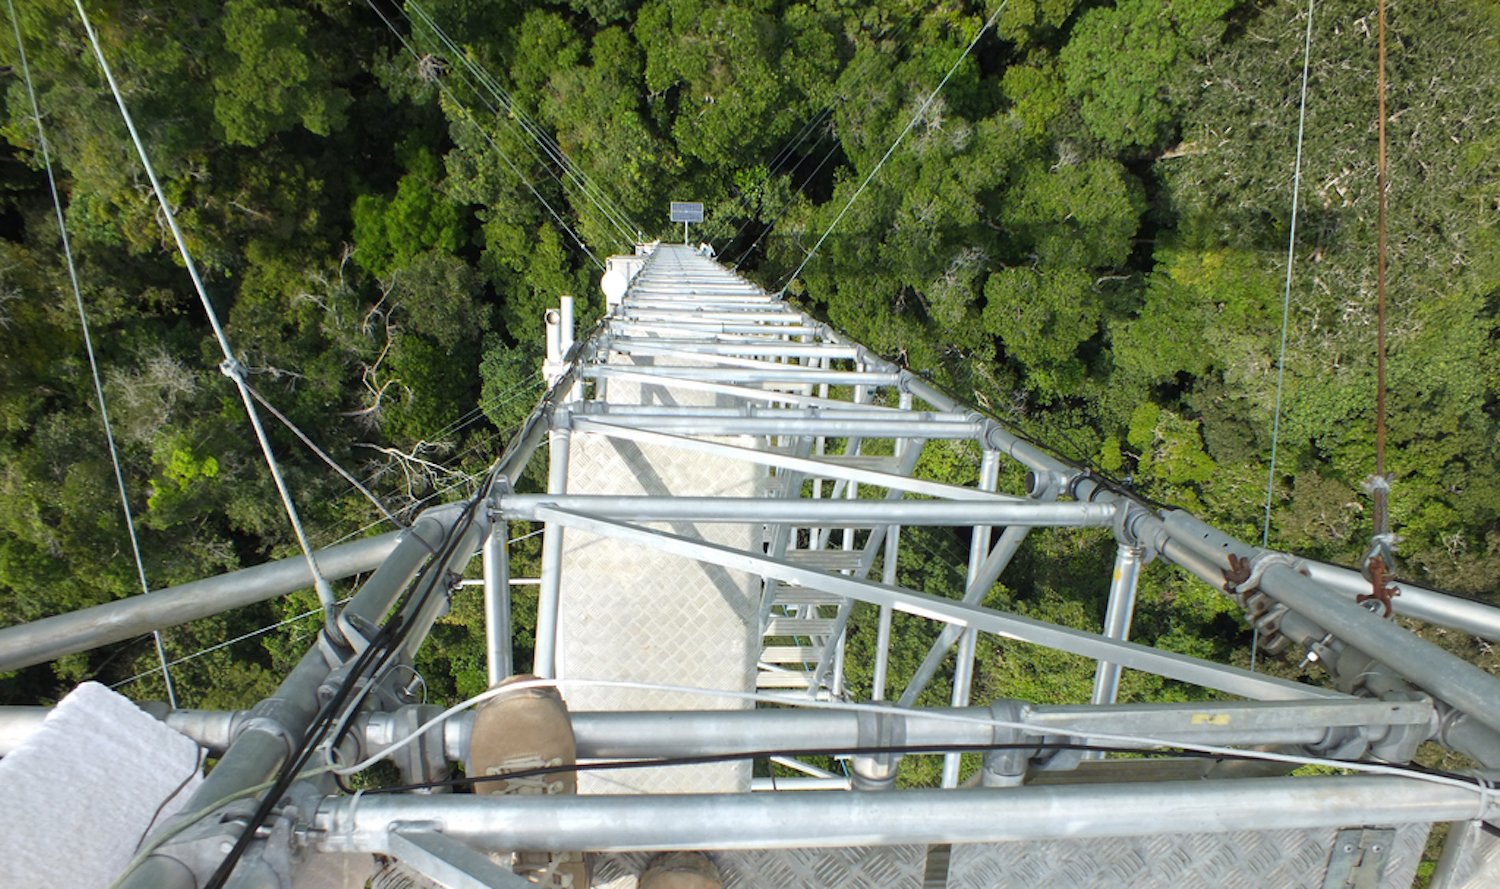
[(877, 771), (1007, 767), (1128, 517), (424, 760), (1243, 575), (269, 717)]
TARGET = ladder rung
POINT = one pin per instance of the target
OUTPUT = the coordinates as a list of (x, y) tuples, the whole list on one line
[(799, 626), (861, 461), (800, 596), (791, 654), (780, 679), (825, 559)]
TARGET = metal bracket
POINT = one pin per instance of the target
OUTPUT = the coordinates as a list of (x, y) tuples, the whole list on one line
[(1242, 582), (1359, 857), (1266, 613)]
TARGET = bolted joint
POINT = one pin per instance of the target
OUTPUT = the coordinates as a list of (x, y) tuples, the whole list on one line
[(422, 761), (560, 418), (500, 488), (1323, 651), (1340, 742), (1399, 743)]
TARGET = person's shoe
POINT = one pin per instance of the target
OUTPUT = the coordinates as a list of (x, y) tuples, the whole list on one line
[(519, 731), (681, 870)]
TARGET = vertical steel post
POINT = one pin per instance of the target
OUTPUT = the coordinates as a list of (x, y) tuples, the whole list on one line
[(497, 639), (1117, 617), (963, 671), (565, 326), (550, 592), (994, 565), (883, 630), (889, 578)]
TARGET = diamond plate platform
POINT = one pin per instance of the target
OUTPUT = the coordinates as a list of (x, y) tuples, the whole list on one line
[(639, 614), (630, 613), (1283, 859), (1287, 859), (893, 866)]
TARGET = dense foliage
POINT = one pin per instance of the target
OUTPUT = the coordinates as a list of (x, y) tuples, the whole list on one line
[(1085, 233)]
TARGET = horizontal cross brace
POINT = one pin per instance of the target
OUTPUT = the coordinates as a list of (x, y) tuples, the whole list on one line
[(1036, 812), (807, 465), (843, 513), (1091, 645)]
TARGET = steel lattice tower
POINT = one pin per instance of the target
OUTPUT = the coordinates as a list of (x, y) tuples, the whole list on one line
[(728, 479)]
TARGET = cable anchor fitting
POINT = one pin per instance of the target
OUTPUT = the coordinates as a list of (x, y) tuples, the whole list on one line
[(1378, 567), (233, 369), (1379, 562)]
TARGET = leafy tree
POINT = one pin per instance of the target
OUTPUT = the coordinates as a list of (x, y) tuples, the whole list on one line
[(1042, 318), (1125, 65), (276, 79), (391, 231)]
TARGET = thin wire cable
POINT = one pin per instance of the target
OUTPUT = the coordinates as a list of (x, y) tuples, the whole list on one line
[(482, 82), (1379, 562), (263, 630), (231, 366), (88, 343), (550, 146), (916, 116), (487, 82), (1476, 785), (827, 156), (343, 473), (841, 755), (1380, 167), (1286, 308), (525, 386), (772, 169), (225, 644), (438, 491), (752, 215), (447, 93), (895, 34)]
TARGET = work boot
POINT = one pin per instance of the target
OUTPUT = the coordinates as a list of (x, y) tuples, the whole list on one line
[(681, 870), (518, 731)]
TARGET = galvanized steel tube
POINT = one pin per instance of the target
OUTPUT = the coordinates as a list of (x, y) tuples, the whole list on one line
[(52, 637), (754, 821)]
